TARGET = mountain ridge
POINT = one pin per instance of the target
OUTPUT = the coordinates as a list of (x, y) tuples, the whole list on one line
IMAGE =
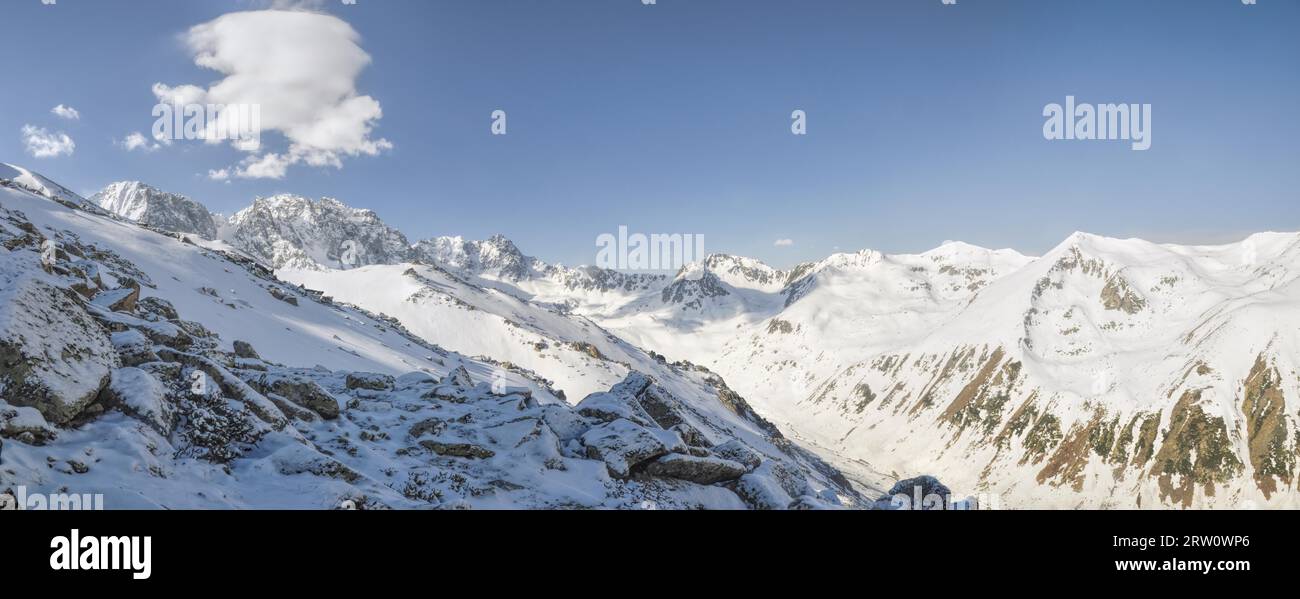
[(1106, 372)]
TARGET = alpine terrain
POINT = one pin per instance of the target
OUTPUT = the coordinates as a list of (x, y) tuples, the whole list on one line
[(304, 353)]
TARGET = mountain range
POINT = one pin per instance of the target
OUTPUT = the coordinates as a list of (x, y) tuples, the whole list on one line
[(1104, 373)]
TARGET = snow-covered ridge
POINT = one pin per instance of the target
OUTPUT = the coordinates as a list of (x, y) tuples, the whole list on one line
[(181, 376), (1078, 378)]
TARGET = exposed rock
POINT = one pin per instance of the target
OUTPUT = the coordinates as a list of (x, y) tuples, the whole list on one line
[(297, 459), (431, 426), (662, 406), (140, 395), (232, 386), (702, 470), (119, 300), (283, 296), (245, 350), (920, 493), (133, 348), (25, 425), (457, 450), (371, 381), (53, 356), (147, 205), (620, 402), (737, 451), (158, 307), (458, 377), (624, 445), (762, 492), (691, 435), (301, 391)]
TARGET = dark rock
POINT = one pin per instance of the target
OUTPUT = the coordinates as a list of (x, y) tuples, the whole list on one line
[(702, 470), (623, 445), (158, 307), (737, 451), (371, 381), (457, 450), (920, 493), (245, 350)]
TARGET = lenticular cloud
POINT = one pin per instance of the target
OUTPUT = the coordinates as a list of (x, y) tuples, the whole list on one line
[(301, 69)]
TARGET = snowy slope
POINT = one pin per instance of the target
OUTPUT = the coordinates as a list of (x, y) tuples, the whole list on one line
[(1105, 373), (222, 386)]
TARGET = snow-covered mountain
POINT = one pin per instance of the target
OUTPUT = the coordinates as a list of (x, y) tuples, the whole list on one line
[(161, 370), (291, 231), (167, 211), (1106, 373)]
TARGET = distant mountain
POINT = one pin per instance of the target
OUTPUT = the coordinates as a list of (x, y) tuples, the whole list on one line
[(294, 232), (148, 205)]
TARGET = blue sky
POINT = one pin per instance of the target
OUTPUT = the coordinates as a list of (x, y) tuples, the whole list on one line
[(924, 120)]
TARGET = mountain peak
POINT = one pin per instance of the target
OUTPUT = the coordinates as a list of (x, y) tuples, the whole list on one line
[(151, 206)]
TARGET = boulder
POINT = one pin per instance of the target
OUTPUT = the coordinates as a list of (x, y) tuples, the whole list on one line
[(762, 492), (737, 451), (623, 445), (244, 349), (430, 426), (457, 450), (25, 425), (53, 356), (158, 307), (119, 300), (371, 381), (458, 378), (133, 348), (139, 395), (691, 435), (702, 470), (301, 391), (920, 493), (662, 406), (620, 402), (283, 296)]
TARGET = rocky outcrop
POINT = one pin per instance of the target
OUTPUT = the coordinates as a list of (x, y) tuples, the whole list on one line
[(697, 469), (369, 380), (301, 391), (53, 356), (245, 350), (624, 445)]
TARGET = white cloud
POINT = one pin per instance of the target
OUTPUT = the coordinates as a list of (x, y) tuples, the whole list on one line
[(784, 243), (66, 112), (137, 141), (267, 166), (219, 175), (301, 69), (44, 144)]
